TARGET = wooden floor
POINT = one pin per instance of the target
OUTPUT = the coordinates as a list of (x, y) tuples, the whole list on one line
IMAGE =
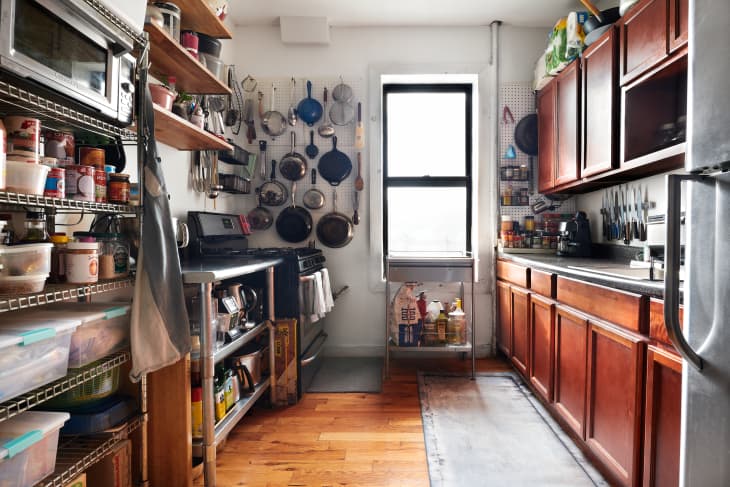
[(330, 439)]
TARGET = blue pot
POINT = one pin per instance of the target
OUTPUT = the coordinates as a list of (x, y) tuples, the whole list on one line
[(309, 109)]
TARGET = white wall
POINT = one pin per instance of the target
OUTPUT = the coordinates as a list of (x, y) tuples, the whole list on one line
[(356, 325)]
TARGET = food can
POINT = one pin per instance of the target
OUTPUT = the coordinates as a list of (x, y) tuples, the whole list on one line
[(92, 156), (82, 263), (23, 136), (99, 186), (59, 145), (55, 183), (80, 182)]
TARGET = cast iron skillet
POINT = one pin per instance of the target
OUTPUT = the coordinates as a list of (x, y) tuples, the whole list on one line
[(334, 166), (294, 223), (526, 134), (335, 229)]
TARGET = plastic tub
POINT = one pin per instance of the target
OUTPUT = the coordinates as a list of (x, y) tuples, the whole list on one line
[(87, 394), (32, 354), (102, 416), (32, 283), (27, 259), (26, 178), (104, 329), (28, 445)]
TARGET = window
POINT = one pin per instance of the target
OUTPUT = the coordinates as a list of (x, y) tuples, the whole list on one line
[(427, 183)]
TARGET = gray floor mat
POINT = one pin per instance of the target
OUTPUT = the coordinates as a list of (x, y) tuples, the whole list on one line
[(348, 374), (493, 432)]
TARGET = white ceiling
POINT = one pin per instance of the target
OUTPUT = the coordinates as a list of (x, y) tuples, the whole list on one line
[(350, 13)]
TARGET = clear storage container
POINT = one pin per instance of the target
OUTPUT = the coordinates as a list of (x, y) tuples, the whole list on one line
[(27, 259), (33, 353), (14, 285), (28, 445)]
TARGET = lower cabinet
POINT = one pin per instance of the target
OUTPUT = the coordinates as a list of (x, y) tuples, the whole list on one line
[(542, 344), (615, 380), (520, 300), (504, 318), (571, 354), (662, 418)]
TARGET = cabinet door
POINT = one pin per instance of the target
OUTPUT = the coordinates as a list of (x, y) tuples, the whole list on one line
[(615, 380), (662, 418), (520, 326), (504, 318), (546, 136), (678, 23), (542, 336), (571, 352), (643, 37), (600, 79), (567, 85)]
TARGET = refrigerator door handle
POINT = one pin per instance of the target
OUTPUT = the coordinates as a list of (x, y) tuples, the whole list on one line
[(671, 268)]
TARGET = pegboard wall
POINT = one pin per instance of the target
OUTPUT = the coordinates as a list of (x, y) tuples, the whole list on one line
[(278, 147), (520, 99)]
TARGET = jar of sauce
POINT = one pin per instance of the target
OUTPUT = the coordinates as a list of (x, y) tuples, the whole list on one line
[(118, 191)]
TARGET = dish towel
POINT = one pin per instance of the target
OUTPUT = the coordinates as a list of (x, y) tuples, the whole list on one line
[(329, 301), (320, 306)]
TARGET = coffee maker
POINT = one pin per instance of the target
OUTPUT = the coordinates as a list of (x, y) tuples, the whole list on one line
[(575, 237)]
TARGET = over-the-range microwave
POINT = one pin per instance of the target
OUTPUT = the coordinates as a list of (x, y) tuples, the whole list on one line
[(70, 48)]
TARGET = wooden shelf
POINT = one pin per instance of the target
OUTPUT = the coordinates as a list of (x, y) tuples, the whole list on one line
[(183, 135), (198, 16), (169, 58)]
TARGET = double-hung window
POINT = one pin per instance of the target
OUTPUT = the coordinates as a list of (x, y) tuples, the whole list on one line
[(427, 176)]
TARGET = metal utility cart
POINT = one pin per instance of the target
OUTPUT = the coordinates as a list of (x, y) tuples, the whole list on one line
[(424, 267)]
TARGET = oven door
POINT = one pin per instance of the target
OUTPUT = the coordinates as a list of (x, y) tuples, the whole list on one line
[(66, 46)]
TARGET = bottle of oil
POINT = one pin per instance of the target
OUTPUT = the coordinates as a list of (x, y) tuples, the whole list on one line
[(456, 329), (441, 326)]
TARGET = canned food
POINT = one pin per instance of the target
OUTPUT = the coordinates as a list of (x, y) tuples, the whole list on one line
[(92, 156), (59, 145), (23, 136), (80, 182), (55, 183), (99, 186)]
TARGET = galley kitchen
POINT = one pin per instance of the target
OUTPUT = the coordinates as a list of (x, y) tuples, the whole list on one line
[(474, 243)]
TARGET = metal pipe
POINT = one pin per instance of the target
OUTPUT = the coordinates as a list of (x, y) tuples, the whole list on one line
[(272, 334), (473, 327), (207, 343), (494, 98), (387, 328)]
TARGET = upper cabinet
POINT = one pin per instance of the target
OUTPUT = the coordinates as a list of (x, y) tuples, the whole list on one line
[(546, 135), (678, 24)]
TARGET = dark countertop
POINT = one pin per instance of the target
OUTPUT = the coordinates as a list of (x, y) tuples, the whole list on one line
[(561, 266), (220, 269)]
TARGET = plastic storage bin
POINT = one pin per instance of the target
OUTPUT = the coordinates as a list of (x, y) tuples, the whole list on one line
[(89, 393), (23, 260), (28, 445), (22, 284), (33, 354), (26, 178)]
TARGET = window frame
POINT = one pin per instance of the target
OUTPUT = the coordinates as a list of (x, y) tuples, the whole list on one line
[(465, 181)]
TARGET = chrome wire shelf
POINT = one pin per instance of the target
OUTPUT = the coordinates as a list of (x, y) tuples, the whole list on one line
[(18, 101), (116, 21), (55, 293), (77, 453), (75, 378), (7, 198)]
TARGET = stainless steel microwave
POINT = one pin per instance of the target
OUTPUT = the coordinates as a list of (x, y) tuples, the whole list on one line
[(70, 48)]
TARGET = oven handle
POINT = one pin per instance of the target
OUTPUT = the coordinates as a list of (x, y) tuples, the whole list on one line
[(307, 278), (323, 337)]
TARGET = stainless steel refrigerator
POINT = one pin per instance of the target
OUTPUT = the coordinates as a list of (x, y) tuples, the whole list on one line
[(705, 340)]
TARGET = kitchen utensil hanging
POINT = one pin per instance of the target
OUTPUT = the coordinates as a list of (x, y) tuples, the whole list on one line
[(355, 207), (359, 129), (313, 198), (342, 92), (359, 183), (294, 224), (342, 113), (309, 109), (260, 217), (325, 129), (293, 166), (334, 166), (291, 115), (311, 150), (234, 117), (264, 164), (273, 192), (273, 123), (249, 85), (335, 230)]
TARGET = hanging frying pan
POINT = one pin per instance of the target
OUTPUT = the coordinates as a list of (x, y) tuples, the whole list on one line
[(313, 198), (309, 109), (294, 223), (335, 229), (334, 166), (293, 166), (260, 217), (526, 134), (273, 193)]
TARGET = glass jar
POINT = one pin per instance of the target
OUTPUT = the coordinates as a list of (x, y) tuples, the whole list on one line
[(529, 223), (119, 188), (506, 224), (58, 257), (113, 256), (35, 228), (82, 262)]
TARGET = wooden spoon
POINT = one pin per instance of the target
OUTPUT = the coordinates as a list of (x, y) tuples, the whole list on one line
[(359, 183)]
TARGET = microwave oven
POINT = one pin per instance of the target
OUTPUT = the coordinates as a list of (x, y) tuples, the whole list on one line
[(70, 48)]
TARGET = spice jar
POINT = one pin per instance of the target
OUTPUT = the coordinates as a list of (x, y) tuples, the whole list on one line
[(119, 188), (506, 224), (58, 257), (35, 228), (529, 223), (82, 263), (113, 256)]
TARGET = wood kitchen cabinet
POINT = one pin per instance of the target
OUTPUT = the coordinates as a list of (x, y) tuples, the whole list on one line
[(599, 65), (571, 354), (546, 136), (615, 385), (504, 318), (520, 313), (678, 24), (542, 344), (662, 418), (643, 37)]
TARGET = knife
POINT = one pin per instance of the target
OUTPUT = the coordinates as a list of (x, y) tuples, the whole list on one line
[(626, 224), (616, 215), (642, 218), (635, 220), (603, 216)]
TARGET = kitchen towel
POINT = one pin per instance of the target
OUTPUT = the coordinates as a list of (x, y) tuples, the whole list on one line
[(329, 301), (320, 306), (160, 332)]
